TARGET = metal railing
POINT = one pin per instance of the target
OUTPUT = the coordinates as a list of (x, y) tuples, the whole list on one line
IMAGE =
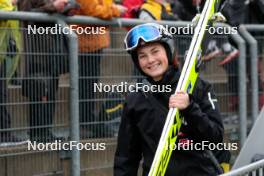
[(253, 47), (254, 169)]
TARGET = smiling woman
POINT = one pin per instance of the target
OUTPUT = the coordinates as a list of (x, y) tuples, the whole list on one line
[(152, 50), (153, 60)]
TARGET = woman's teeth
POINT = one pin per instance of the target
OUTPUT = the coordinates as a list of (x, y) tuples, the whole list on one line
[(154, 66)]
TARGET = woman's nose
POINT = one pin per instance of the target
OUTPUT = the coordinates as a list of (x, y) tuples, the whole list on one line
[(151, 59)]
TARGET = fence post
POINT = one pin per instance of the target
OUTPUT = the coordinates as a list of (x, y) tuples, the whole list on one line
[(242, 87), (253, 45), (72, 40), (74, 102)]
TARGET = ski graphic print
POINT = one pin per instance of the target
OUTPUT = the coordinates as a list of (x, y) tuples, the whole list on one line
[(186, 83)]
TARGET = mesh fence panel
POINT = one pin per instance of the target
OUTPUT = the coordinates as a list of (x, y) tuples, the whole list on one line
[(34, 103)]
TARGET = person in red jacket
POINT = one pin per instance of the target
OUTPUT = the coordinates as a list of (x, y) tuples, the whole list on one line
[(133, 7)]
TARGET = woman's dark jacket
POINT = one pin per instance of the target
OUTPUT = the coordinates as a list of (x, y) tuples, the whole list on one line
[(142, 123)]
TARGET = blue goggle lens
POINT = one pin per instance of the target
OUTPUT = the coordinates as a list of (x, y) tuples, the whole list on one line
[(147, 33)]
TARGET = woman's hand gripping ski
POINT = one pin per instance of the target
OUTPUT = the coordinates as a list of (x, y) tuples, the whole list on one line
[(180, 100)]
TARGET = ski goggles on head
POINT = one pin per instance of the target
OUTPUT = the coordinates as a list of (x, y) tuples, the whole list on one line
[(147, 33)]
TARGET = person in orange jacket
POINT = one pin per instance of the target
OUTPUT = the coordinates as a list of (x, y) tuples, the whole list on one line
[(92, 40)]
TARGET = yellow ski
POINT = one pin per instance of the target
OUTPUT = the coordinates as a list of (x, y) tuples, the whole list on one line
[(186, 83)]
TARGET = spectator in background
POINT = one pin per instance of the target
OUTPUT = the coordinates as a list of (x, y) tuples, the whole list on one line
[(133, 7), (186, 10), (235, 12), (156, 10), (44, 62), (256, 12), (91, 48), (10, 45), (241, 12)]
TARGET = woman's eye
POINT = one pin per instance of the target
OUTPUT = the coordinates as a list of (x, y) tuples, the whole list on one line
[(142, 56), (155, 51)]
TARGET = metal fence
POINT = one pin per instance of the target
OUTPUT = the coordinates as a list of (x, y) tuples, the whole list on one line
[(36, 115), (51, 96), (254, 169)]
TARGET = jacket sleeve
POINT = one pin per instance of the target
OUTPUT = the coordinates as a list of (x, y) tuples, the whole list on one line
[(101, 10), (6, 5), (144, 15), (128, 152), (43, 5), (203, 116), (166, 13)]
